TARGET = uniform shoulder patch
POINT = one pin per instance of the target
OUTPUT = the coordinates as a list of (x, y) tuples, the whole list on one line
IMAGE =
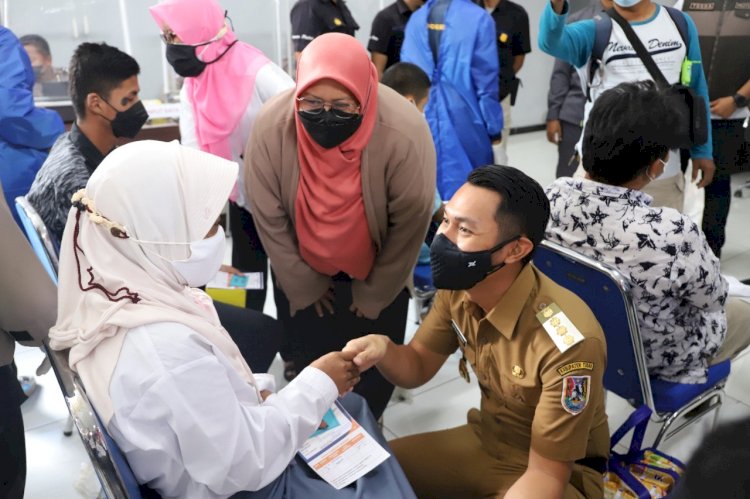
[(575, 366), (575, 393), (559, 327)]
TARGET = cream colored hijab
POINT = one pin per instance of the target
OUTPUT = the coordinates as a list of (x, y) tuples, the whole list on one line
[(163, 196)]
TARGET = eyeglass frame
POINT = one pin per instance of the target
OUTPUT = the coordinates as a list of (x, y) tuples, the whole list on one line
[(222, 33), (331, 106)]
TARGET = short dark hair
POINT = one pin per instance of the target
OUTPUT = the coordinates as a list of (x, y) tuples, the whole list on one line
[(38, 43), (98, 68), (523, 209), (719, 464), (407, 79), (630, 126)]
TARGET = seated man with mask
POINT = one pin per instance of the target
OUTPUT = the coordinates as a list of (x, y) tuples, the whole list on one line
[(537, 351), (687, 323), (104, 90)]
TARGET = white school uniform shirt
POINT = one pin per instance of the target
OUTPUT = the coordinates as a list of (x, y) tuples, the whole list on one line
[(270, 81), (190, 427), (620, 64)]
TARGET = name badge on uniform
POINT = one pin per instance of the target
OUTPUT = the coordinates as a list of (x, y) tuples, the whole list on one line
[(559, 327), (461, 338), (463, 368)]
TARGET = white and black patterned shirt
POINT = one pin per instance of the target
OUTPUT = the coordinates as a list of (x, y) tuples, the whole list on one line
[(70, 163), (677, 286)]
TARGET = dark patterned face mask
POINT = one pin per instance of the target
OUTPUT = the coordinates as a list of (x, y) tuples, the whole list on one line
[(459, 270)]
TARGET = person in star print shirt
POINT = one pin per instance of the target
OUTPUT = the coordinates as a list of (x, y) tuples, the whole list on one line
[(687, 322)]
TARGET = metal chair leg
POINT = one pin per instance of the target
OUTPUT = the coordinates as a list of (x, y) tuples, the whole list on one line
[(68, 430)]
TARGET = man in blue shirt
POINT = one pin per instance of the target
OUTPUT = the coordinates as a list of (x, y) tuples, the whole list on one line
[(453, 41), (619, 63), (26, 132)]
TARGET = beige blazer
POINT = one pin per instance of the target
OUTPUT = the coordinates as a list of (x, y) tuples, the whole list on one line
[(28, 297), (398, 188)]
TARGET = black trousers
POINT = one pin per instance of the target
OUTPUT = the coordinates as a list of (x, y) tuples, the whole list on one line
[(257, 335), (729, 155), (566, 149), (12, 438), (248, 254), (308, 337)]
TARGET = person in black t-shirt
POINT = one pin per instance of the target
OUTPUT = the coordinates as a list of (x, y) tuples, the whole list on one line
[(387, 34), (312, 18), (513, 43)]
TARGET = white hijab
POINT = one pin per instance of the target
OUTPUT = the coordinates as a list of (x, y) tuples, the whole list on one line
[(163, 193)]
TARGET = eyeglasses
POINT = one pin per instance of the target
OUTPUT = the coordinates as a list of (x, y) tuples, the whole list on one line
[(170, 36), (340, 108)]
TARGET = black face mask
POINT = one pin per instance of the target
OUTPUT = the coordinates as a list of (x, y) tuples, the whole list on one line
[(459, 270), (185, 63), (128, 123), (328, 129)]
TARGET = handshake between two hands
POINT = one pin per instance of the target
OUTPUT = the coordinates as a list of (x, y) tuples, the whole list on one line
[(357, 356)]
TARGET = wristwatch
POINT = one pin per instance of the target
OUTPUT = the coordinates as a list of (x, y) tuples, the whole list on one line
[(740, 100)]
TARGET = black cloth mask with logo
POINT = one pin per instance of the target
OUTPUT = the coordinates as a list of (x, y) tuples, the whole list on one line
[(460, 270)]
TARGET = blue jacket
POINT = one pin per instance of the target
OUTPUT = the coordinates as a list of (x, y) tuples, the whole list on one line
[(26, 132), (463, 110)]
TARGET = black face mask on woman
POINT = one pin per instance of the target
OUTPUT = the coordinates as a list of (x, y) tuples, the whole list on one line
[(185, 63), (330, 129), (460, 270)]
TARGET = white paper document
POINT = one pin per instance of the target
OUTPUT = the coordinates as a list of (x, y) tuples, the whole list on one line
[(225, 280), (340, 450)]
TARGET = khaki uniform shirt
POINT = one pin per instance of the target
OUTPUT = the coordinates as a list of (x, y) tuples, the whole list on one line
[(533, 395)]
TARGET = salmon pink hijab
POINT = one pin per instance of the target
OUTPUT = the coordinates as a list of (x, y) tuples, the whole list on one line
[(330, 218), (221, 93)]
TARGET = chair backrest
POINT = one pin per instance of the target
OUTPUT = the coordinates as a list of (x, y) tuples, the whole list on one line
[(608, 294), (115, 475), (38, 236)]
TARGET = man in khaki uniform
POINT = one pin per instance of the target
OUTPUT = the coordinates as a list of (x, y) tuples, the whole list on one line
[(537, 351)]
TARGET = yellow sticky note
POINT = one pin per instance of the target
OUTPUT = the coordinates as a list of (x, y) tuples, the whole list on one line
[(234, 297)]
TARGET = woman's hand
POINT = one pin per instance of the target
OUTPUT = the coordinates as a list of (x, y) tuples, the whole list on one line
[(230, 270), (339, 366), (325, 302)]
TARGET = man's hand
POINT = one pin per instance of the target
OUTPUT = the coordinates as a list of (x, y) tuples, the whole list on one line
[(554, 131), (230, 270), (558, 5), (325, 302), (723, 107), (707, 168), (368, 350), (340, 368)]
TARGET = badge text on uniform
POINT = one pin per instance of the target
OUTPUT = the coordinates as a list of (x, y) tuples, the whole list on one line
[(575, 366)]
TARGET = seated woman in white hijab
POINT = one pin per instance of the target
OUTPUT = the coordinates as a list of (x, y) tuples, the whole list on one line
[(164, 376)]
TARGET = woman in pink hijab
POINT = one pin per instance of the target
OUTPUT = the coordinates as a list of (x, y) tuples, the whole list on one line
[(341, 180), (226, 83)]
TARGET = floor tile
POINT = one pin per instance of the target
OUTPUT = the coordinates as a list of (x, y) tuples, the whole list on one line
[(54, 462), (439, 408)]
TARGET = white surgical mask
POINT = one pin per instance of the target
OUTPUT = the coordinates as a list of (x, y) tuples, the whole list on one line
[(627, 3), (206, 257)]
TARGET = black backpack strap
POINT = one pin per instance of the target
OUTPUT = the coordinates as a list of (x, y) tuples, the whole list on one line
[(640, 49), (678, 18), (602, 32)]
